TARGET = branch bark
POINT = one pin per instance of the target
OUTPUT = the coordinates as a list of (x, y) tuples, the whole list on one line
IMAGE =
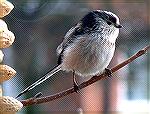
[(45, 99)]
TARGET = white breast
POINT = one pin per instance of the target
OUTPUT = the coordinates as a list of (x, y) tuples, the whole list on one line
[(88, 57)]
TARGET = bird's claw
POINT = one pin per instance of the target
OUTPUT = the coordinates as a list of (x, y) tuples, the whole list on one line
[(108, 72), (76, 87)]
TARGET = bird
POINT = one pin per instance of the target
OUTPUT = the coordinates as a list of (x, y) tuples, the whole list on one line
[(87, 48)]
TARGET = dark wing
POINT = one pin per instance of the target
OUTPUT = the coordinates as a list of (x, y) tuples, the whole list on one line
[(69, 39), (87, 24)]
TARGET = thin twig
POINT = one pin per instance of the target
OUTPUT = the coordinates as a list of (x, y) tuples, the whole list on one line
[(45, 99)]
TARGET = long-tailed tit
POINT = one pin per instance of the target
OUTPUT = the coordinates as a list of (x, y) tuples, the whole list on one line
[(87, 48)]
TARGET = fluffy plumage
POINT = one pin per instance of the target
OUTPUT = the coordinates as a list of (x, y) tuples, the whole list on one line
[(88, 47)]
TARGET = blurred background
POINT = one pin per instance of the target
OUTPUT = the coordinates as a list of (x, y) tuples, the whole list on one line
[(39, 27)]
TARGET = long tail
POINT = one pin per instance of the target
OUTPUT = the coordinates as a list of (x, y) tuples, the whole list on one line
[(42, 79)]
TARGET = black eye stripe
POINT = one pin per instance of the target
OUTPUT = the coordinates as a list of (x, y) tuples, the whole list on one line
[(109, 23), (112, 19)]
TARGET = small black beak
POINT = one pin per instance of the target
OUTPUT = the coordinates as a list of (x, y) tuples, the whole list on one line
[(118, 25)]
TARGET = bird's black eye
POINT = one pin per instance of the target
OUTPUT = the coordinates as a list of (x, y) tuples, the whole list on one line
[(112, 19), (109, 23)]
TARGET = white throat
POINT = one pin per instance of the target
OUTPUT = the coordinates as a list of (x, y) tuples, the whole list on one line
[(113, 36)]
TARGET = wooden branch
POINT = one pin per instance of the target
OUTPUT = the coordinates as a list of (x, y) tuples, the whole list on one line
[(45, 99)]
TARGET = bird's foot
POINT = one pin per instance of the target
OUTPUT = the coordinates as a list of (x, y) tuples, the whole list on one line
[(108, 72), (76, 87)]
